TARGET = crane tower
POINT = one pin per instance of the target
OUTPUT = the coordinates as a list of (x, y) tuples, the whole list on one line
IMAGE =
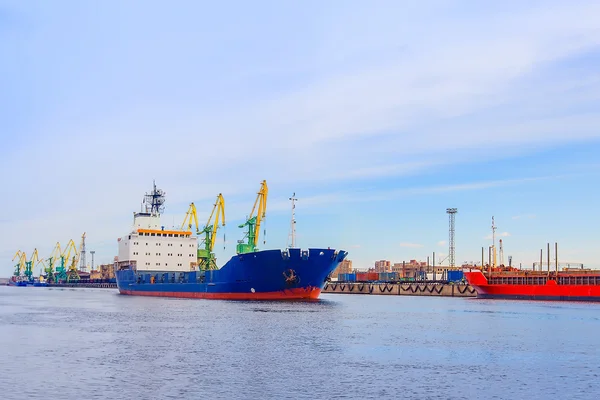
[(82, 265), (451, 213)]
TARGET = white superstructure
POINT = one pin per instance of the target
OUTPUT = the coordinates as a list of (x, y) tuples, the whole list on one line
[(149, 247)]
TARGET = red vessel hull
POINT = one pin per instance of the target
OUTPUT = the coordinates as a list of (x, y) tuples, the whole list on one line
[(548, 291), (289, 294)]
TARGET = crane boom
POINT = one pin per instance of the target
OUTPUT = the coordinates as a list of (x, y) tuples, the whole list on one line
[(261, 199), (219, 207), (72, 273), (71, 247), (190, 216), (253, 222)]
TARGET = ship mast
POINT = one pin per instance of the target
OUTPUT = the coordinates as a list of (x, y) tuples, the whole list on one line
[(493, 242), (155, 201), (293, 221)]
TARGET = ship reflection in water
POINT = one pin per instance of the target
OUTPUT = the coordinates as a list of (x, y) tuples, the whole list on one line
[(95, 343)]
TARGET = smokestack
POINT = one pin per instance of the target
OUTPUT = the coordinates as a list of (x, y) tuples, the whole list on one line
[(556, 259), (548, 259), (482, 259)]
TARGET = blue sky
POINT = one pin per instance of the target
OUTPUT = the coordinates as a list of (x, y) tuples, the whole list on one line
[(378, 114)]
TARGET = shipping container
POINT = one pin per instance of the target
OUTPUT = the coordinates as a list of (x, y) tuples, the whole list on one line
[(388, 276), (455, 276), (367, 276), (346, 277)]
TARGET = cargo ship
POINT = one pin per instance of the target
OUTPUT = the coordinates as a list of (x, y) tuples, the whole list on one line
[(508, 282), (153, 261), (511, 283), (18, 281)]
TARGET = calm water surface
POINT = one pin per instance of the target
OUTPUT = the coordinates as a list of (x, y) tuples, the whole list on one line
[(96, 344)]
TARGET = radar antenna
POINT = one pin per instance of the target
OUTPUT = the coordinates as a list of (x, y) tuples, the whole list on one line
[(155, 201)]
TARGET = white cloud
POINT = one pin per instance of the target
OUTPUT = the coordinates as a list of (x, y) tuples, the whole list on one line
[(388, 194), (413, 245), (442, 243)]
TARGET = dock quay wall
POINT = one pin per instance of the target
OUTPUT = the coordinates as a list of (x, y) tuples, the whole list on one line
[(84, 285), (402, 289)]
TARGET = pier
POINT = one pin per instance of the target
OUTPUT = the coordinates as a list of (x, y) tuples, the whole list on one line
[(402, 289)]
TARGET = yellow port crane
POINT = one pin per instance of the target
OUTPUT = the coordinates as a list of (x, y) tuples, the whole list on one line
[(20, 266), (206, 257), (253, 221), (73, 273)]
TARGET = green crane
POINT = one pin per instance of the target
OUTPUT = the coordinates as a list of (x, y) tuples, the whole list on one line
[(49, 268), (61, 271), (253, 222), (206, 257), (30, 264)]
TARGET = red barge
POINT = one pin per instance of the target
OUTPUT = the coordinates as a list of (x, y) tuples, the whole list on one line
[(511, 283)]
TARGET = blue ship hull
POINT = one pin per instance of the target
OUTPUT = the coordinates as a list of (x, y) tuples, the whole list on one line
[(261, 275), (19, 283)]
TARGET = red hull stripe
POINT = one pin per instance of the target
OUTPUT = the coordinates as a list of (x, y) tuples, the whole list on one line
[(290, 294), (539, 290), (550, 290)]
